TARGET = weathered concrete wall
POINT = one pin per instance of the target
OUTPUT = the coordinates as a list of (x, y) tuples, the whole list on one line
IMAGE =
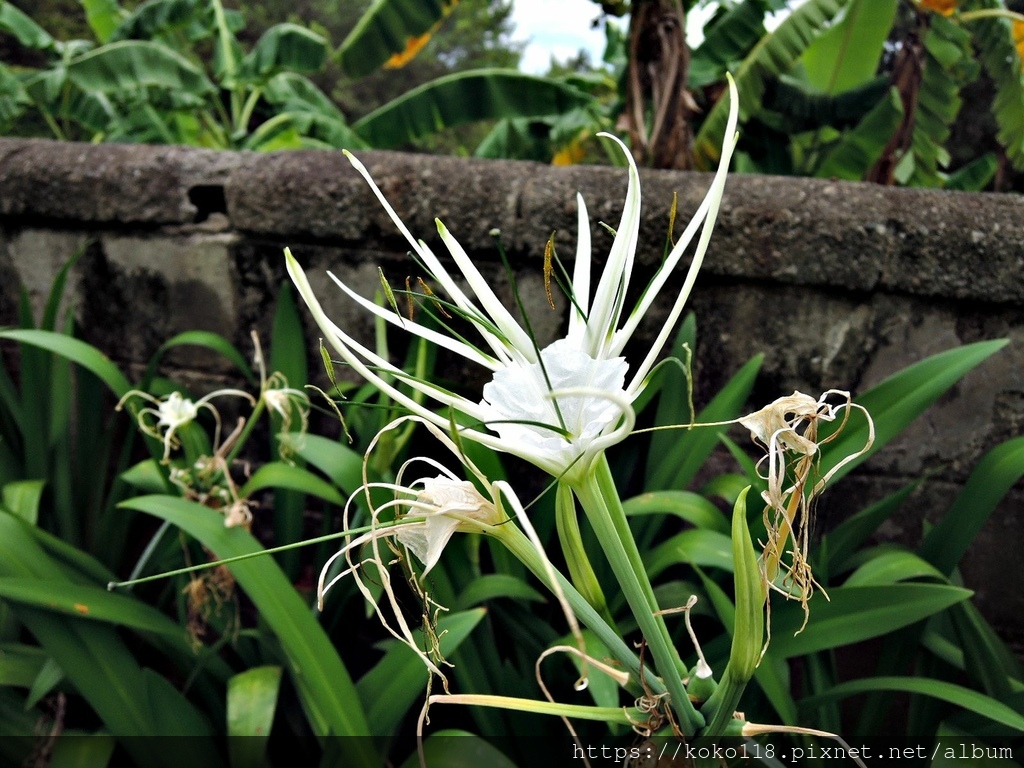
[(838, 284)]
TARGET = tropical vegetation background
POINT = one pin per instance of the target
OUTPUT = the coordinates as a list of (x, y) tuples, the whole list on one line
[(889, 91), (903, 92)]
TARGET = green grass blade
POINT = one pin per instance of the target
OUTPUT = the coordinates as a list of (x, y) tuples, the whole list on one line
[(857, 613), (319, 675), (277, 474), (957, 695), (399, 678), (991, 479), (900, 399), (77, 352)]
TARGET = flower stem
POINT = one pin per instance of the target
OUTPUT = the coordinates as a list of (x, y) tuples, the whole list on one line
[(580, 570), (520, 546), (620, 715), (600, 500)]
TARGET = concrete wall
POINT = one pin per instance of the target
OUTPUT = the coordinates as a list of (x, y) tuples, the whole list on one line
[(839, 284)]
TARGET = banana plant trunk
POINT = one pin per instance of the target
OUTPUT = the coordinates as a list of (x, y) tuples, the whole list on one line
[(658, 105)]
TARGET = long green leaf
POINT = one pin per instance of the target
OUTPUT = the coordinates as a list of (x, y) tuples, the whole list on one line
[(76, 351), (957, 695), (991, 479), (847, 54), (385, 29), (694, 547), (95, 658), (890, 567), (465, 97), (277, 474), (860, 147), (130, 65), (284, 48), (853, 614), (901, 398), (773, 56), (841, 542), (390, 688), (319, 675), (689, 506), (90, 603)]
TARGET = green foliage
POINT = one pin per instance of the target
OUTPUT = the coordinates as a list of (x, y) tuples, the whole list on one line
[(162, 658), (177, 71)]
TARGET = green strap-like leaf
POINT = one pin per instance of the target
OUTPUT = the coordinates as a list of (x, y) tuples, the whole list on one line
[(76, 351), (465, 97), (694, 547), (852, 614), (91, 603), (321, 678), (394, 683), (278, 474), (957, 695), (991, 479), (691, 507), (901, 398)]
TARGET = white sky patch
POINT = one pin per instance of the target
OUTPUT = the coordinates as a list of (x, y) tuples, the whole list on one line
[(558, 28)]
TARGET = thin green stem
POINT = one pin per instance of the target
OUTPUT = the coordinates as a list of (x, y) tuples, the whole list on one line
[(272, 551), (580, 570), (621, 715), (519, 545), (250, 425), (600, 501), (991, 13)]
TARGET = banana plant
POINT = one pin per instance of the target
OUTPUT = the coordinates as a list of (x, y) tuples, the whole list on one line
[(145, 78), (799, 82)]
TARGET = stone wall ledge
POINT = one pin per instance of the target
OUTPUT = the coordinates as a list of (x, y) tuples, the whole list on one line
[(814, 232)]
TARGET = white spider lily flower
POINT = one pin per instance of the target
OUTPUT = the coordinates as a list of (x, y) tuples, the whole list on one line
[(174, 412), (559, 407), (429, 511)]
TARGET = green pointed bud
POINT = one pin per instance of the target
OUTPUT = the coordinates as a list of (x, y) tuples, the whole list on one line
[(748, 632)]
